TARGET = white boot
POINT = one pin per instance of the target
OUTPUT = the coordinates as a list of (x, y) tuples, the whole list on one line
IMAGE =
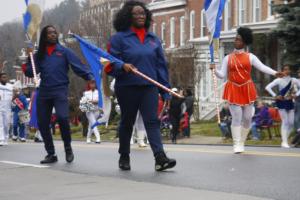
[(244, 135), (88, 137), (97, 134), (236, 136), (140, 138), (284, 138)]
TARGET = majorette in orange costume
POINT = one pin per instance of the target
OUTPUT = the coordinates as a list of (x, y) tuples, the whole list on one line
[(239, 89)]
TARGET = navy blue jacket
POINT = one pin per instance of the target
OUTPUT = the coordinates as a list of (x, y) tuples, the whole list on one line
[(147, 57), (54, 69)]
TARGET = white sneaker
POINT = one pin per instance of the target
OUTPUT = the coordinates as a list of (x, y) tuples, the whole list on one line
[(88, 140), (1, 143), (142, 145), (285, 145), (238, 149), (14, 138), (22, 139)]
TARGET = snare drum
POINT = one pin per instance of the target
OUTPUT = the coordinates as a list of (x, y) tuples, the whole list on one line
[(24, 116)]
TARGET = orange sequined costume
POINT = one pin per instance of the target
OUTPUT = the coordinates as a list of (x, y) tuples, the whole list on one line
[(239, 89)]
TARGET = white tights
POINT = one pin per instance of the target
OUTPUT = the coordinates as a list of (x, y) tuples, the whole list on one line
[(241, 115), (287, 118), (139, 128), (92, 117)]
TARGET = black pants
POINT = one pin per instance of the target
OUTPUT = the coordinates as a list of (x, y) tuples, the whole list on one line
[(44, 112), (175, 121), (145, 99)]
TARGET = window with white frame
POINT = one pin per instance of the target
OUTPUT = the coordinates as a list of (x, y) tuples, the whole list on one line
[(182, 31), (256, 10), (192, 25), (163, 32), (242, 11), (172, 32), (227, 16), (270, 11), (203, 24), (154, 28)]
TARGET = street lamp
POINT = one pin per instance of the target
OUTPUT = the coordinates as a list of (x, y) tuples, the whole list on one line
[(3, 65), (23, 56)]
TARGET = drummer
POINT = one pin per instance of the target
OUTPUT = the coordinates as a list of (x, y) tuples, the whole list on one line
[(20, 104)]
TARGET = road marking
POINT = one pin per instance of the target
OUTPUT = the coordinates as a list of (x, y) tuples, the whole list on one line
[(200, 150), (256, 153), (192, 150), (23, 164)]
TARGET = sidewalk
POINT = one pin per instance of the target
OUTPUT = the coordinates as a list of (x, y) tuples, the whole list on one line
[(29, 183), (199, 139)]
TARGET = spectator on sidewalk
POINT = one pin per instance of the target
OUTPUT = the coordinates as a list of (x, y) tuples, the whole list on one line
[(262, 118), (225, 121), (175, 114), (296, 140), (189, 108)]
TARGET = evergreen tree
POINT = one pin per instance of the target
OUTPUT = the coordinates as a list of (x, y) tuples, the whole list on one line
[(288, 31)]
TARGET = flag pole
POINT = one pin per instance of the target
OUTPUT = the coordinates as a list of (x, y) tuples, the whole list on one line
[(135, 71), (213, 15), (216, 95), (215, 83), (30, 44)]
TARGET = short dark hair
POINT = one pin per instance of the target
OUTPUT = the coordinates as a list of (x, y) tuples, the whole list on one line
[(285, 65), (189, 92), (246, 34), (122, 20)]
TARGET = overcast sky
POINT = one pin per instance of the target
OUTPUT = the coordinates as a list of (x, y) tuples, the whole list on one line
[(13, 9)]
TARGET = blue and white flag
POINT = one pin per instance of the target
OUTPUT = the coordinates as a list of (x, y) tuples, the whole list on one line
[(213, 13), (32, 18), (93, 56)]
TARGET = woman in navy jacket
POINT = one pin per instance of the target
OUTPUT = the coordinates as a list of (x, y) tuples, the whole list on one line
[(52, 62), (142, 49)]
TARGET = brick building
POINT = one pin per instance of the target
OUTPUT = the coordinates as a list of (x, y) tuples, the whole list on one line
[(182, 28)]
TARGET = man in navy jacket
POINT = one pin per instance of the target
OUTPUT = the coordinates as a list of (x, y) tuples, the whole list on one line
[(52, 62)]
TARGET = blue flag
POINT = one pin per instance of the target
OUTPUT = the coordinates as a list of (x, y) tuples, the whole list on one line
[(33, 110), (26, 20), (213, 12), (101, 53), (92, 55)]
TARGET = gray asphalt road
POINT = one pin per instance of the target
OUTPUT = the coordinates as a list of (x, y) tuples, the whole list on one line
[(209, 172)]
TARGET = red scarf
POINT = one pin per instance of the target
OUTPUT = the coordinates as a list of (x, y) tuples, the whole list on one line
[(140, 32), (50, 49)]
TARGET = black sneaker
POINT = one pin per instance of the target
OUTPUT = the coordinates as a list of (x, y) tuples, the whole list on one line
[(162, 162), (49, 159), (124, 162), (37, 140), (69, 154), (296, 139)]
